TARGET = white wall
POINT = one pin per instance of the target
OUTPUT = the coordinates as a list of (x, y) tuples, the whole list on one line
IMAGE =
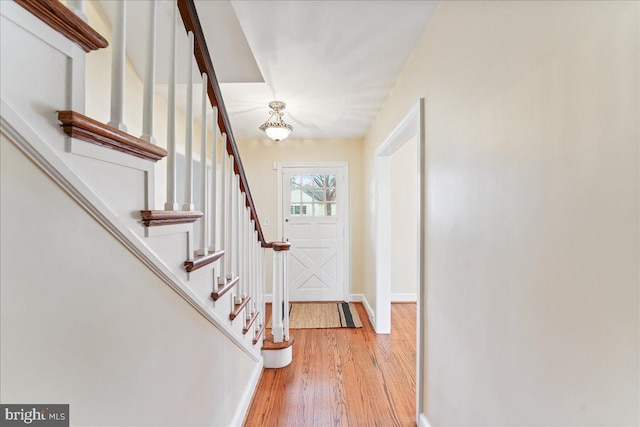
[(404, 222), (84, 322), (532, 137)]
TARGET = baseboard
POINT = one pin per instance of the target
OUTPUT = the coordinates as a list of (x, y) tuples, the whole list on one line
[(363, 299), (406, 297), (423, 422), (268, 298), (247, 397), (356, 297)]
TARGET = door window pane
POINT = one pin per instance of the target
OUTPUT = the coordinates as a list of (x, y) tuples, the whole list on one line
[(312, 195), (330, 195), (307, 196), (296, 196)]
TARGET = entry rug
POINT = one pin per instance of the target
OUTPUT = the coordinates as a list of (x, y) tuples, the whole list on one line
[(321, 315)]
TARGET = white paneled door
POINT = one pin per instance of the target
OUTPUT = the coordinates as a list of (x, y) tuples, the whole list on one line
[(314, 214)]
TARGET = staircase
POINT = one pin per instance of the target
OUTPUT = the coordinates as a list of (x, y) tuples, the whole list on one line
[(205, 241)]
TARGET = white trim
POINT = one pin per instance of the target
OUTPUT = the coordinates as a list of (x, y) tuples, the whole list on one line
[(363, 299), (407, 128), (356, 298), (76, 56), (166, 230), (421, 321), (422, 421), (243, 406), (346, 284), (28, 141), (404, 297), (411, 125), (32, 24), (268, 298)]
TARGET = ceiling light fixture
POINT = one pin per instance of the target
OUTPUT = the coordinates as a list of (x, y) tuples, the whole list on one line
[(275, 127)]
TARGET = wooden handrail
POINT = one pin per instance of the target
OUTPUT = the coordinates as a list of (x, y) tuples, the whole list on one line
[(191, 23)]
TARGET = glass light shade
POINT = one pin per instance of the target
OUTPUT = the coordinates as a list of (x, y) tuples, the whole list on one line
[(277, 133)]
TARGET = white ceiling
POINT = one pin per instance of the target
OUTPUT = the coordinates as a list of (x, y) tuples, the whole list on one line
[(332, 62)]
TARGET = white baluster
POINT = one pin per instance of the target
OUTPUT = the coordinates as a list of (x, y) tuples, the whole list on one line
[(263, 280), (214, 179), (117, 67), (257, 279), (171, 204), (254, 266), (254, 263), (285, 293), (77, 6), (241, 247), (231, 242), (223, 210), (149, 79), (204, 202), (247, 259), (188, 138), (276, 306), (238, 217)]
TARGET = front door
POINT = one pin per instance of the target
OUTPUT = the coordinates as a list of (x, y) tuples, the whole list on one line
[(314, 214)]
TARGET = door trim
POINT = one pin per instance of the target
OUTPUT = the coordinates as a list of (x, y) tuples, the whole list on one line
[(413, 124), (344, 166)]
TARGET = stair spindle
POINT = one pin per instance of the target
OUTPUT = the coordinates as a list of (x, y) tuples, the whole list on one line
[(171, 204), (204, 201), (188, 138), (231, 209), (77, 6), (214, 180), (149, 78), (223, 211), (117, 67)]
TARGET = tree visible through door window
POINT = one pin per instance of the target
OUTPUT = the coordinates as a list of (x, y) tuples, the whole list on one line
[(313, 195)]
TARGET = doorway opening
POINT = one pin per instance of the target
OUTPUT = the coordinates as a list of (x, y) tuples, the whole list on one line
[(409, 130)]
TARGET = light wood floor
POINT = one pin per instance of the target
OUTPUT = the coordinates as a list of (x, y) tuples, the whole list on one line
[(343, 377)]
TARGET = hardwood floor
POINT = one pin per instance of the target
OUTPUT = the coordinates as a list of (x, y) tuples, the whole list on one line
[(343, 377)]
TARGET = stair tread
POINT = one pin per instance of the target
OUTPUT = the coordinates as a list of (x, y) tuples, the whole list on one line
[(268, 343)]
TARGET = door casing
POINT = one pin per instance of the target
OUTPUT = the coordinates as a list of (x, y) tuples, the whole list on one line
[(412, 125)]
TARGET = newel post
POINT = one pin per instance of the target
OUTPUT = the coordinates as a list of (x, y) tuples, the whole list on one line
[(280, 305)]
